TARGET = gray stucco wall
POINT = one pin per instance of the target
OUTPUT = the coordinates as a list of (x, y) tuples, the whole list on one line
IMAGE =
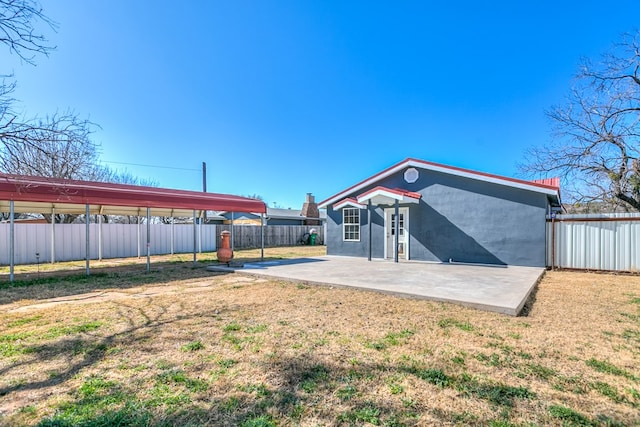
[(458, 218), (361, 248)]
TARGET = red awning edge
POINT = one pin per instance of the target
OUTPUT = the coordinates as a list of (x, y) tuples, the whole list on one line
[(46, 194)]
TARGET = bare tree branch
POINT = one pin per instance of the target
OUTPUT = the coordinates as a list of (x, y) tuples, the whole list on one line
[(596, 133), (17, 29), (59, 145)]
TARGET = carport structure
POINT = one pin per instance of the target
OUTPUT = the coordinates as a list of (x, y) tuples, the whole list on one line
[(29, 194)]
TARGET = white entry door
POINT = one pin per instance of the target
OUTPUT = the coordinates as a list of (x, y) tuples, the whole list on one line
[(390, 233)]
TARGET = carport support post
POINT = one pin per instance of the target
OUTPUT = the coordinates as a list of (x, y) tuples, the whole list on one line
[(201, 220), (173, 223), (232, 217), (553, 242), (99, 237), (87, 248), (138, 232), (53, 235), (369, 219), (195, 236), (148, 240), (397, 229), (261, 237), (11, 241)]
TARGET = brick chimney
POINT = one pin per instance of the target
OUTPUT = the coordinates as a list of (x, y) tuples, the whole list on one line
[(310, 210)]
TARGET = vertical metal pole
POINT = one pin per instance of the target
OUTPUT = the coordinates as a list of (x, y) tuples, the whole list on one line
[(88, 248), (204, 186), (148, 240), (173, 233), (138, 233), (100, 237), (397, 231), (370, 236), (11, 241), (232, 236), (204, 177), (553, 242), (200, 234), (261, 237), (53, 235), (195, 232)]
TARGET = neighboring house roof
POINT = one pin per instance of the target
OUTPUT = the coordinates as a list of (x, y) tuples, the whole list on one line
[(291, 214), (284, 213), (552, 191), (214, 217), (277, 213), (46, 195)]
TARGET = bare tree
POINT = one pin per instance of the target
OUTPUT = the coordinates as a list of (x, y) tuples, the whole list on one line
[(54, 146), (17, 29), (125, 177), (596, 134), (58, 145)]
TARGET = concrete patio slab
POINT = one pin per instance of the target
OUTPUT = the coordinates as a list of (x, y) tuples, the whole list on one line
[(500, 289)]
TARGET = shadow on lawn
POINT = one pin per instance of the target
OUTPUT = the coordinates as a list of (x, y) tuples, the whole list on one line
[(329, 390), (90, 346), (61, 283), (311, 390)]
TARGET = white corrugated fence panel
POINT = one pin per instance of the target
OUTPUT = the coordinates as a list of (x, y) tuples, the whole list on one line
[(595, 242), (118, 241), (121, 240)]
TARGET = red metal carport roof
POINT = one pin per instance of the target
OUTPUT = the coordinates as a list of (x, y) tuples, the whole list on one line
[(46, 195)]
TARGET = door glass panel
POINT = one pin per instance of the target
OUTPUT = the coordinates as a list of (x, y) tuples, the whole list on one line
[(393, 224), (390, 230)]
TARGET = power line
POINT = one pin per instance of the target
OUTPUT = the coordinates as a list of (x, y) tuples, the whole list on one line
[(152, 166)]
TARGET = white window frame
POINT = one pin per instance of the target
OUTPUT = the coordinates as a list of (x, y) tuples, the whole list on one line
[(350, 224)]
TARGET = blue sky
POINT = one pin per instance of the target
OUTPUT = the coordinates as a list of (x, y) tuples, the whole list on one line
[(285, 97)]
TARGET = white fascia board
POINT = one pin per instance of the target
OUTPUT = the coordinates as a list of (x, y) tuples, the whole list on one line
[(483, 177), (443, 169), (348, 203), (380, 194)]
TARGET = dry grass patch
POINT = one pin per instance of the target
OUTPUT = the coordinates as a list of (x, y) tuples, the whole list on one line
[(219, 349), (46, 269)]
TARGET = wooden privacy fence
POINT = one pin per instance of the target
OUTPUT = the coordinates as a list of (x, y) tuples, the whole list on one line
[(594, 242), (248, 236), (66, 242)]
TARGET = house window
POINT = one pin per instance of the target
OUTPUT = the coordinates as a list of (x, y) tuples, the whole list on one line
[(351, 224)]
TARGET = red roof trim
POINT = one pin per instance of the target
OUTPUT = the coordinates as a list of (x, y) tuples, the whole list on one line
[(411, 194), (552, 182), (349, 201), (52, 190), (489, 175), (548, 189), (398, 191)]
